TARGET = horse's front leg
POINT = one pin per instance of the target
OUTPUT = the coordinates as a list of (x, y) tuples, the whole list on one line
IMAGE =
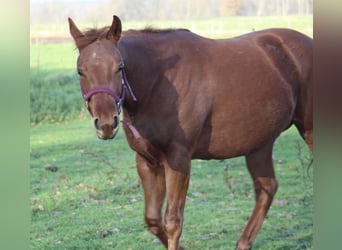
[(153, 182), (177, 174)]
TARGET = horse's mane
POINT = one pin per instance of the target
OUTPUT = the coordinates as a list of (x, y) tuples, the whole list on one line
[(151, 30), (93, 34)]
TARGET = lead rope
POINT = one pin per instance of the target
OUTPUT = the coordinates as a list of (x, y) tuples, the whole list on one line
[(126, 85)]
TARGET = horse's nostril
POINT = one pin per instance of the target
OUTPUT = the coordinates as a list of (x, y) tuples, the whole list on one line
[(116, 121), (97, 123)]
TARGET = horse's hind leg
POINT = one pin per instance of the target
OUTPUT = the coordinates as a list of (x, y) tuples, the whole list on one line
[(303, 117), (260, 166), (306, 131), (153, 181), (303, 120)]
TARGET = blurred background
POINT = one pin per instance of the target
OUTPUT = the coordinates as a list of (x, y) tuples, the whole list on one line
[(53, 11), (207, 17)]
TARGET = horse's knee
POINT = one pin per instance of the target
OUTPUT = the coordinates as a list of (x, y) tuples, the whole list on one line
[(154, 225), (173, 224), (172, 228)]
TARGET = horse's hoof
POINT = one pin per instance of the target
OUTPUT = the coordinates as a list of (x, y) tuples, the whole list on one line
[(237, 247)]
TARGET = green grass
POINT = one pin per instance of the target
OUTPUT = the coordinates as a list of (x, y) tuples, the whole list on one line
[(85, 194), (45, 57), (54, 93)]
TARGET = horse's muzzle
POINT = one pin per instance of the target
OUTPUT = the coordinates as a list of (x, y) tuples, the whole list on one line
[(106, 129)]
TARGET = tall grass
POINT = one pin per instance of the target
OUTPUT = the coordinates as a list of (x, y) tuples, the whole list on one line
[(55, 97), (54, 93)]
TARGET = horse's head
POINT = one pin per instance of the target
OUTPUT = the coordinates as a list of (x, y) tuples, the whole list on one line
[(102, 79)]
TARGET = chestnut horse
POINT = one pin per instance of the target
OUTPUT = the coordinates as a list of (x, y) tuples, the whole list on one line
[(187, 97)]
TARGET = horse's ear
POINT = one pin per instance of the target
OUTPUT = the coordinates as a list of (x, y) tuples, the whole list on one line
[(74, 31), (115, 29)]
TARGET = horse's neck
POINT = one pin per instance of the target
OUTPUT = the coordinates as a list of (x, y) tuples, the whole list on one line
[(146, 65), (138, 72)]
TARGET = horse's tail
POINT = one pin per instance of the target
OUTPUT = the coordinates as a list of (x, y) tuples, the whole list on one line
[(300, 48)]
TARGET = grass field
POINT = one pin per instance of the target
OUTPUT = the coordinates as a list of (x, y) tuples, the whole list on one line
[(54, 92), (85, 193)]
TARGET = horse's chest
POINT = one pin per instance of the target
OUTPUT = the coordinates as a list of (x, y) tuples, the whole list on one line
[(141, 145)]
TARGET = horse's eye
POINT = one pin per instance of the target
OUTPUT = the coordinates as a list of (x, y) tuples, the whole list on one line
[(80, 72)]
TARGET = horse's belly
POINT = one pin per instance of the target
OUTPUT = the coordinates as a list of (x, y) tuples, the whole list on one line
[(240, 130), (225, 145)]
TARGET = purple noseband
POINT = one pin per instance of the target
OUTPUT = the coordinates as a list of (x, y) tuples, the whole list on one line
[(98, 90), (118, 99)]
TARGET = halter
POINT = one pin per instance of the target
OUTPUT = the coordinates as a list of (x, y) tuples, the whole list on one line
[(118, 99)]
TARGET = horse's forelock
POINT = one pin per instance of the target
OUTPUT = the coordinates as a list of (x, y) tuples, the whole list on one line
[(91, 35)]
